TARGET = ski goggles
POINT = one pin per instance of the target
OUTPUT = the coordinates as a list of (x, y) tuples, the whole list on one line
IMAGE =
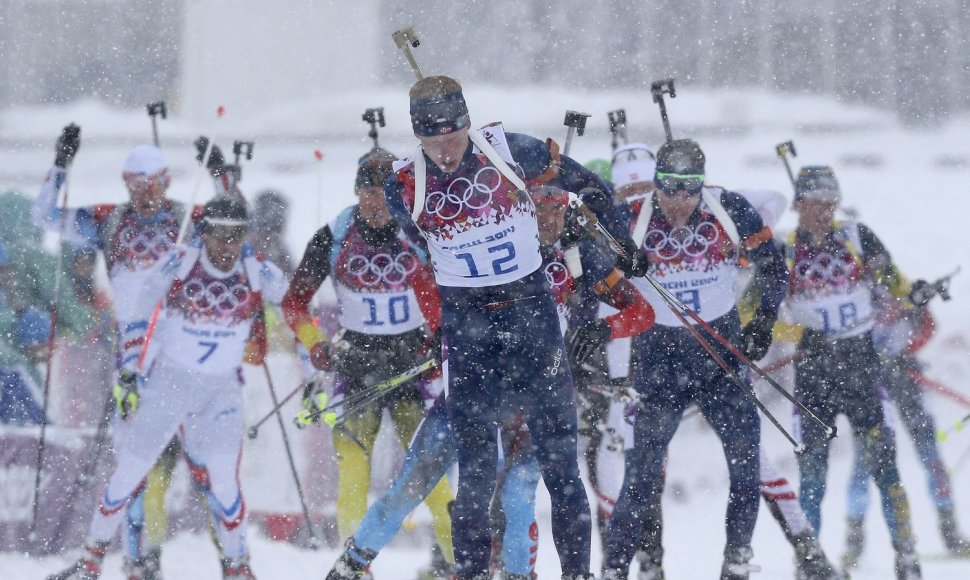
[(142, 183), (439, 115), (671, 183)]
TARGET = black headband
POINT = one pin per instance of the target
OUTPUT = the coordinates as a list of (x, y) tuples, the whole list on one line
[(439, 115)]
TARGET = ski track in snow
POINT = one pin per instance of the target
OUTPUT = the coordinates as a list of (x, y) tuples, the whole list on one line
[(917, 207)]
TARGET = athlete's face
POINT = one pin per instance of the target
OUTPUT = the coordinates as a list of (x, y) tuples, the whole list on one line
[(678, 205), (552, 221), (373, 208), (815, 216), (223, 245), (446, 150), (147, 192)]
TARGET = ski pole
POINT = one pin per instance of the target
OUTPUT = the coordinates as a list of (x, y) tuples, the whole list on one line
[(943, 435), (155, 110), (576, 122), (748, 391), (314, 541), (51, 340), (374, 116), (101, 434), (783, 150), (658, 89), (617, 128), (939, 388), (373, 393), (406, 39), (253, 430)]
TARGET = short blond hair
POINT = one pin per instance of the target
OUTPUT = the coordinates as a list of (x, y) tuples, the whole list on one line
[(431, 87)]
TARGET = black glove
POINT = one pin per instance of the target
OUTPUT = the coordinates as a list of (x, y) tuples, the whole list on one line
[(756, 336), (431, 348), (585, 340), (922, 293), (217, 163), (67, 145), (596, 199), (635, 263), (813, 342)]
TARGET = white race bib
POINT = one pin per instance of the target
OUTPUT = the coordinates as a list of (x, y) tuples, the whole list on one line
[(205, 347), (378, 312), (836, 312), (710, 294)]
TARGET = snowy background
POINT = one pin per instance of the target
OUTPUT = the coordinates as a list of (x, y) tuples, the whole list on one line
[(910, 186), (857, 79)]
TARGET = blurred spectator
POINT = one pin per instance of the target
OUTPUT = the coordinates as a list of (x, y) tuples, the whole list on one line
[(270, 215), (27, 286)]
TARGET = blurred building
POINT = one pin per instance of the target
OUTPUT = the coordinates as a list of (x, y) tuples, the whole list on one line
[(909, 56)]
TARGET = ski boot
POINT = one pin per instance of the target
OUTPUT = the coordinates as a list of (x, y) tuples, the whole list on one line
[(152, 562), (651, 564), (134, 569), (907, 563), (353, 563), (810, 560), (737, 563), (580, 576), (440, 569), (88, 567), (955, 542), (237, 569), (855, 541)]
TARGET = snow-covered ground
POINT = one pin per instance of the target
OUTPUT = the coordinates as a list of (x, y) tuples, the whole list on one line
[(911, 187)]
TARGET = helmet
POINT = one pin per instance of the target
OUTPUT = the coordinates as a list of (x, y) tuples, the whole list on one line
[(224, 211), (374, 168), (632, 163), (681, 156), (599, 166), (817, 182)]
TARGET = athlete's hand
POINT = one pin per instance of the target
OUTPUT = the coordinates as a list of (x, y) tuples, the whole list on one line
[(922, 293), (634, 264), (320, 356), (585, 340), (756, 336), (67, 145), (126, 394), (813, 342), (314, 402)]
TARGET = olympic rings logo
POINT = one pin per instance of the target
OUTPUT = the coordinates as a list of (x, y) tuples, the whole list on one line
[(215, 295), (691, 242), (825, 267), (556, 273), (463, 193), (145, 243), (382, 268)]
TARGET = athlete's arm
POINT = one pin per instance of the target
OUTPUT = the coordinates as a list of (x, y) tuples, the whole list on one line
[(80, 224), (310, 274), (394, 197), (635, 314), (156, 285), (758, 247), (426, 291), (880, 263)]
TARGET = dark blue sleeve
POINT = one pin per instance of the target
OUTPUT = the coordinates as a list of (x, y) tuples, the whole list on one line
[(597, 260), (393, 190), (767, 257), (533, 157)]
